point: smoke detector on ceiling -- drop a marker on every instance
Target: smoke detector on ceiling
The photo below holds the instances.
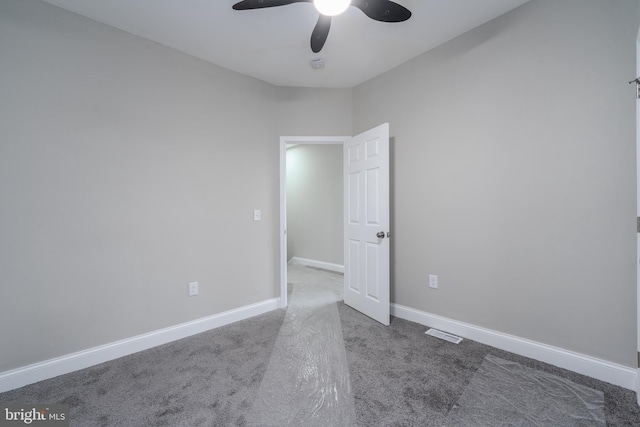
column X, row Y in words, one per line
column 317, row 64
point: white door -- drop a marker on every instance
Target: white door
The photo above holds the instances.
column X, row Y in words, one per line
column 366, row 223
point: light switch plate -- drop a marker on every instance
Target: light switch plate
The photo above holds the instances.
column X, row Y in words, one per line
column 257, row 215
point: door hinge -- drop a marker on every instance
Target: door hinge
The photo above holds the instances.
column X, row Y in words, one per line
column 638, row 224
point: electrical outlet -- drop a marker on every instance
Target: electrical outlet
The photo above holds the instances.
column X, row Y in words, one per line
column 193, row 289
column 433, row 281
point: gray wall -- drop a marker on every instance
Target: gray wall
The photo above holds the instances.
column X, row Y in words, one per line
column 315, row 203
column 514, row 175
column 127, row 170
column 315, row 112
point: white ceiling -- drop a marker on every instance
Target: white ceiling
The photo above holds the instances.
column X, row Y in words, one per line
column 273, row 44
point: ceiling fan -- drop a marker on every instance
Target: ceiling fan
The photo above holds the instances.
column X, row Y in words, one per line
column 380, row 10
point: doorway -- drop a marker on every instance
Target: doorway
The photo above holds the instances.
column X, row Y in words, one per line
column 366, row 219
column 285, row 142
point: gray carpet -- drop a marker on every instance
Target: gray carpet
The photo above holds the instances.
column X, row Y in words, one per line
column 398, row 376
column 520, row 396
column 210, row 379
column 402, row 377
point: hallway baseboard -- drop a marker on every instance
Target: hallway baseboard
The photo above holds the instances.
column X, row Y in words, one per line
column 30, row 374
column 602, row 370
column 317, row 264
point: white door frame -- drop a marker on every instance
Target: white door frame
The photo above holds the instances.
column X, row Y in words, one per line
column 284, row 140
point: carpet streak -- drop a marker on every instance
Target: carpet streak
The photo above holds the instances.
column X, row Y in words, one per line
column 307, row 380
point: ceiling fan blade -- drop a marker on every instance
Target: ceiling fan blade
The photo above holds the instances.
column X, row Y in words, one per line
column 320, row 33
column 259, row 4
column 383, row 10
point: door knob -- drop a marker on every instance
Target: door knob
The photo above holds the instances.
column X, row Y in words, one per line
column 380, row 235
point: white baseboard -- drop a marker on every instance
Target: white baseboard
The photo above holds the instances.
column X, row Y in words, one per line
column 318, row 264
column 586, row 365
column 19, row 377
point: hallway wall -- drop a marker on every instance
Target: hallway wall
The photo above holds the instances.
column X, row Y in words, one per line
column 315, row 203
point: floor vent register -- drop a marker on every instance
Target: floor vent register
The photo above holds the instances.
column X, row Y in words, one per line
column 444, row 336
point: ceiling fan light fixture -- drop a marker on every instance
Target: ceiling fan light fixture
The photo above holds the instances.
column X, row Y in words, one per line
column 331, row 7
